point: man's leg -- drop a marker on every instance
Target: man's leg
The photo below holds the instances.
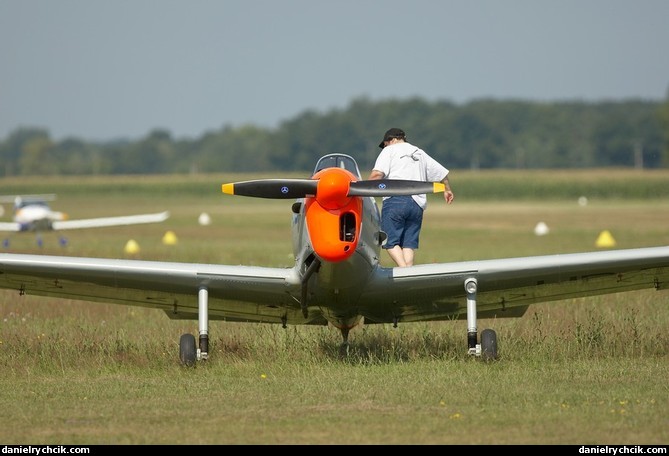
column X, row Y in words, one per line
column 397, row 254
column 412, row 226
column 407, row 255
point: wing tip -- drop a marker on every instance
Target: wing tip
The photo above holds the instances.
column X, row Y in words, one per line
column 439, row 187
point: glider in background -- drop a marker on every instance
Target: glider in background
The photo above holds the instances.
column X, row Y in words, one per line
column 32, row 213
column 337, row 278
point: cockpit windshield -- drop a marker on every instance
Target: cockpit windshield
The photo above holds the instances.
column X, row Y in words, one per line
column 338, row 161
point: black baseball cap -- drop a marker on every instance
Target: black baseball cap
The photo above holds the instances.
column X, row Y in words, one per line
column 392, row 133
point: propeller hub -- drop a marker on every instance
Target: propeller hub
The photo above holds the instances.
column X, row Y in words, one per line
column 333, row 185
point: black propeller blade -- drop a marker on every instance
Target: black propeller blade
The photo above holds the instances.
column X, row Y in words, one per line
column 273, row 188
column 393, row 187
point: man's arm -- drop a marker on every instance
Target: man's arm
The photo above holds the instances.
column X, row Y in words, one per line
column 448, row 193
column 376, row 174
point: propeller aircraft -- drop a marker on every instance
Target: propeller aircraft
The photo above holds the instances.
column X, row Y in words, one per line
column 33, row 214
column 337, row 278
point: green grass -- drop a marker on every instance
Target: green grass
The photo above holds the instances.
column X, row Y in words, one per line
column 581, row 371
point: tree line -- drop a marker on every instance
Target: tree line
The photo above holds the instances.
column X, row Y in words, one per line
column 482, row 134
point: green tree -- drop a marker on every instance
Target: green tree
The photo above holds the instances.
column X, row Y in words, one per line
column 663, row 120
column 37, row 158
column 11, row 149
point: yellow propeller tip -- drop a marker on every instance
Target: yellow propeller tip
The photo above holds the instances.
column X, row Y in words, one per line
column 228, row 189
column 439, row 187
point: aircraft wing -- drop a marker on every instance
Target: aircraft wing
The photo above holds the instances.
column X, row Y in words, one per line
column 507, row 286
column 261, row 294
column 10, row 226
column 28, row 198
column 110, row 221
column 235, row 293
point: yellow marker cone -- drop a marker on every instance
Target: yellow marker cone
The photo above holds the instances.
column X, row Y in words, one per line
column 170, row 238
column 131, row 247
column 605, row 239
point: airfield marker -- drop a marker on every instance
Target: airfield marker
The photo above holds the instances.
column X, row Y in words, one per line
column 605, row 239
column 541, row 229
column 204, row 219
column 131, row 247
column 170, row 238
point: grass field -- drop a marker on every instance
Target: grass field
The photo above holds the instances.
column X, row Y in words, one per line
column 581, row 371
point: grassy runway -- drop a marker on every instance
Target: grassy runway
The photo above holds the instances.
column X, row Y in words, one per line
column 580, row 371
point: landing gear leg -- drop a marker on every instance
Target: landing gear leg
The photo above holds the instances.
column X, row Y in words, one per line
column 203, row 323
column 188, row 354
column 344, row 347
column 487, row 349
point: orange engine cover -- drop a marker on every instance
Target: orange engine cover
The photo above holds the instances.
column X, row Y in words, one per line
column 333, row 218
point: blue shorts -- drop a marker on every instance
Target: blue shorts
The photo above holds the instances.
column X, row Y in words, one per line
column 401, row 219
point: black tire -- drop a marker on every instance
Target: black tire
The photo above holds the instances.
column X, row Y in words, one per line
column 187, row 351
column 488, row 345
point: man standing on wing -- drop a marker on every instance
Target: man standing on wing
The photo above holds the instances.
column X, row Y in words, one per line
column 402, row 216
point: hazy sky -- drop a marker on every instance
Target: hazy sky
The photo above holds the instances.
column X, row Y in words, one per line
column 100, row 70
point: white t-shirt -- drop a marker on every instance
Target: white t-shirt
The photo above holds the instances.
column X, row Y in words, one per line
column 405, row 161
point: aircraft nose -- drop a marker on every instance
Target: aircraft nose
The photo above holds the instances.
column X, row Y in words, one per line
column 333, row 189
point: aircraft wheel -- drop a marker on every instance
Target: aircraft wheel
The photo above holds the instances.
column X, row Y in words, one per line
column 488, row 344
column 187, row 352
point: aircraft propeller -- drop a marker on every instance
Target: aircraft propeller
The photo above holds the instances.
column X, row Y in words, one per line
column 301, row 188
